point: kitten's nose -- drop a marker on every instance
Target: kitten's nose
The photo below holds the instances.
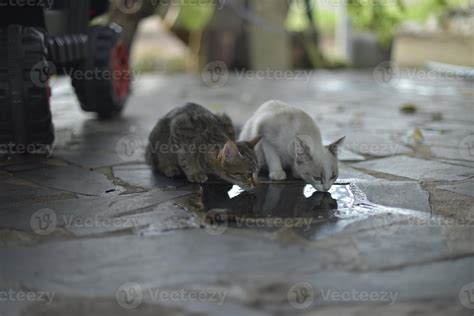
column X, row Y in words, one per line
column 248, row 188
column 318, row 187
column 326, row 187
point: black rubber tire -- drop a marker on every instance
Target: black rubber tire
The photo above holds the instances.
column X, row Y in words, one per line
column 25, row 114
column 97, row 94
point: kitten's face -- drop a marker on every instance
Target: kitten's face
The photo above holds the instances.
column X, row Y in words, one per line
column 321, row 173
column 237, row 163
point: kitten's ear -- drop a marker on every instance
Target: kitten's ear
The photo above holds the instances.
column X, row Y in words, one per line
column 230, row 151
column 254, row 141
column 225, row 118
column 334, row 146
column 302, row 151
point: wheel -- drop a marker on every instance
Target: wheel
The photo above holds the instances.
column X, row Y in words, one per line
column 102, row 83
column 25, row 116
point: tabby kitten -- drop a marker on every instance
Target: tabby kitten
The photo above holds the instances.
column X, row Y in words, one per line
column 194, row 141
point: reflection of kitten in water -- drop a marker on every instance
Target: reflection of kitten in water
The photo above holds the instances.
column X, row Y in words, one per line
column 275, row 200
column 288, row 201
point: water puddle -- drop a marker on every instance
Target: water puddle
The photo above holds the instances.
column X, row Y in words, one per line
column 272, row 206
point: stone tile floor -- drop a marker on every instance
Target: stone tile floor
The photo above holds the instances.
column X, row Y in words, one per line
column 91, row 231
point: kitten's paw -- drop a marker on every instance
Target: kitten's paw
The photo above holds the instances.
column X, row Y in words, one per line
column 171, row 172
column 197, row 178
column 278, row 175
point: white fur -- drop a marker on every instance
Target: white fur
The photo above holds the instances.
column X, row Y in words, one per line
column 282, row 126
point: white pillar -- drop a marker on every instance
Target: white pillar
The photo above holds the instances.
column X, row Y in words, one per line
column 343, row 32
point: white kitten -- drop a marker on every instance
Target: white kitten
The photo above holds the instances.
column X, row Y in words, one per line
column 291, row 139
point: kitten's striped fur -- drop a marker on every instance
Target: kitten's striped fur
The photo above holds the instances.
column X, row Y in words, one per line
column 201, row 143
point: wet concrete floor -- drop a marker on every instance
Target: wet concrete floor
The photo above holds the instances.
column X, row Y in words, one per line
column 91, row 230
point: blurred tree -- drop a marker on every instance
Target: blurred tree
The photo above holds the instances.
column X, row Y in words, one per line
column 382, row 17
column 376, row 16
column 241, row 33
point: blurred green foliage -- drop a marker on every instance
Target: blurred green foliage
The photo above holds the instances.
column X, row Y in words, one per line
column 379, row 16
column 382, row 16
column 164, row 63
column 196, row 14
column 297, row 20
